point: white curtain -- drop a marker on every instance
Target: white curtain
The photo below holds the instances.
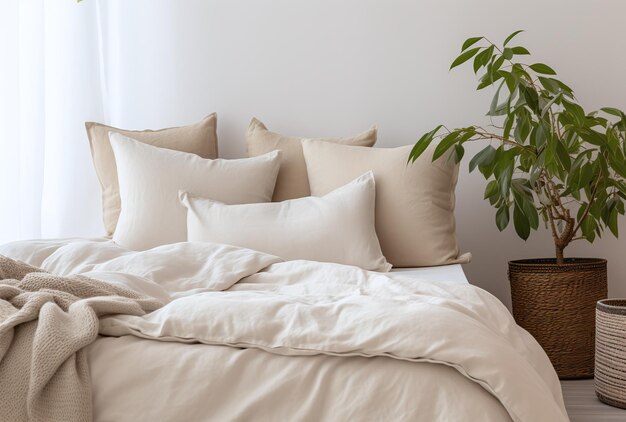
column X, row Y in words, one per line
column 51, row 82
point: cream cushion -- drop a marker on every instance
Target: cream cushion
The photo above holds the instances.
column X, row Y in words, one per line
column 292, row 179
column 199, row 138
column 150, row 178
column 338, row 227
column 414, row 202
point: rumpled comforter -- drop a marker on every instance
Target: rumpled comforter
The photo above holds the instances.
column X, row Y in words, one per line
column 250, row 312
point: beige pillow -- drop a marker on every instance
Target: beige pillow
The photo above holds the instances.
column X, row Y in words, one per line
column 414, row 203
column 338, row 227
column 199, row 138
column 150, row 178
column 292, row 179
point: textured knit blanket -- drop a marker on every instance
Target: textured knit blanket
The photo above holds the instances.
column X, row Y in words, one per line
column 45, row 322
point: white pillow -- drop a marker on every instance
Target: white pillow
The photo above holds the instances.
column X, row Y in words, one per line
column 338, row 227
column 150, row 178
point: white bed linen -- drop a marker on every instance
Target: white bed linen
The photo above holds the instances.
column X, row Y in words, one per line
column 143, row 380
column 452, row 273
column 139, row 379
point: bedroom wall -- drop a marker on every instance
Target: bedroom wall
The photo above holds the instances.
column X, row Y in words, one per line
column 326, row 67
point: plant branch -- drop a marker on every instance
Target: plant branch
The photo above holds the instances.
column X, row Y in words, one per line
column 488, row 135
column 587, row 208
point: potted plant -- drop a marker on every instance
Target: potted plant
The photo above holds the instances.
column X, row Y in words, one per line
column 546, row 160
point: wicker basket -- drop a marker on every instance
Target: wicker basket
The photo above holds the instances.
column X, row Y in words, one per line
column 556, row 304
column 610, row 371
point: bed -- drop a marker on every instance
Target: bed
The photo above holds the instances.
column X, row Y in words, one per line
column 339, row 343
column 259, row 289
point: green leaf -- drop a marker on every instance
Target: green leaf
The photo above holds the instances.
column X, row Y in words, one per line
column 507, row 53
column 478, row 61
column 491, row 189
column 520, row 51
column 550, row 84
column 495, row 75
column 423, row 143
column 522, row 227
column 588, row 227
column 502, row 217
column 602, row 167
column 508, row 124
column 489, row 54
column 526, row 161
column 547, row 107
column 533, row 135
column 504, row 173
column 563, row 155
column 465, row 56
column 470, row 42
column 613, row 226
column 487, row 170
column 586, row 175
column 581, row 211
column 510, row 37
column 593, row 137
column 543, row 69
column 459, row 152
column 549, row 154
column 511, row 81
column 576, row 111
column 580, row 158
column 501, row 109
column 531, row 213
column 523, row 126
column 484, row 82
column 555, row 86
column 522, row 188
column 494, row 101
column 519, row 72
column 531, row 97
column 445, row 144
column 618, row 164
column 613, row 111
column 469, row 133
column 482, row 58
column 484, row 158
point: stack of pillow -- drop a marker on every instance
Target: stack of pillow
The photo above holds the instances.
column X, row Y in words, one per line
column 327, row 199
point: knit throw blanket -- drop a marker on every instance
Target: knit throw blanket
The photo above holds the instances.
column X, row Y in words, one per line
column 45, row 322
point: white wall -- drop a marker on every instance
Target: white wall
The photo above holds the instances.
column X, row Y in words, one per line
column 329, row 67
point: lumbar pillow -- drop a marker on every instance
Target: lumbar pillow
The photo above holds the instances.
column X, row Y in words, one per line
column 414, row 203
column 292, row 179
column 150, row 178
column 199, row 138
column 338, row 227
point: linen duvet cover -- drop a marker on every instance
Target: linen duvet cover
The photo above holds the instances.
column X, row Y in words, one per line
column 246, row 336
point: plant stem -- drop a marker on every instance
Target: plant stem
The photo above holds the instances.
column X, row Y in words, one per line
column 559, row 255
column 591, row 200
column 557, row 211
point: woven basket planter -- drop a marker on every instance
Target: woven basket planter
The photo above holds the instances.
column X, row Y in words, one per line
column 556, row 304
column 610, row 373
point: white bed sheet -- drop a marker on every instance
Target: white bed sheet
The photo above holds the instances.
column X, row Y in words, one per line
column 451, row 273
